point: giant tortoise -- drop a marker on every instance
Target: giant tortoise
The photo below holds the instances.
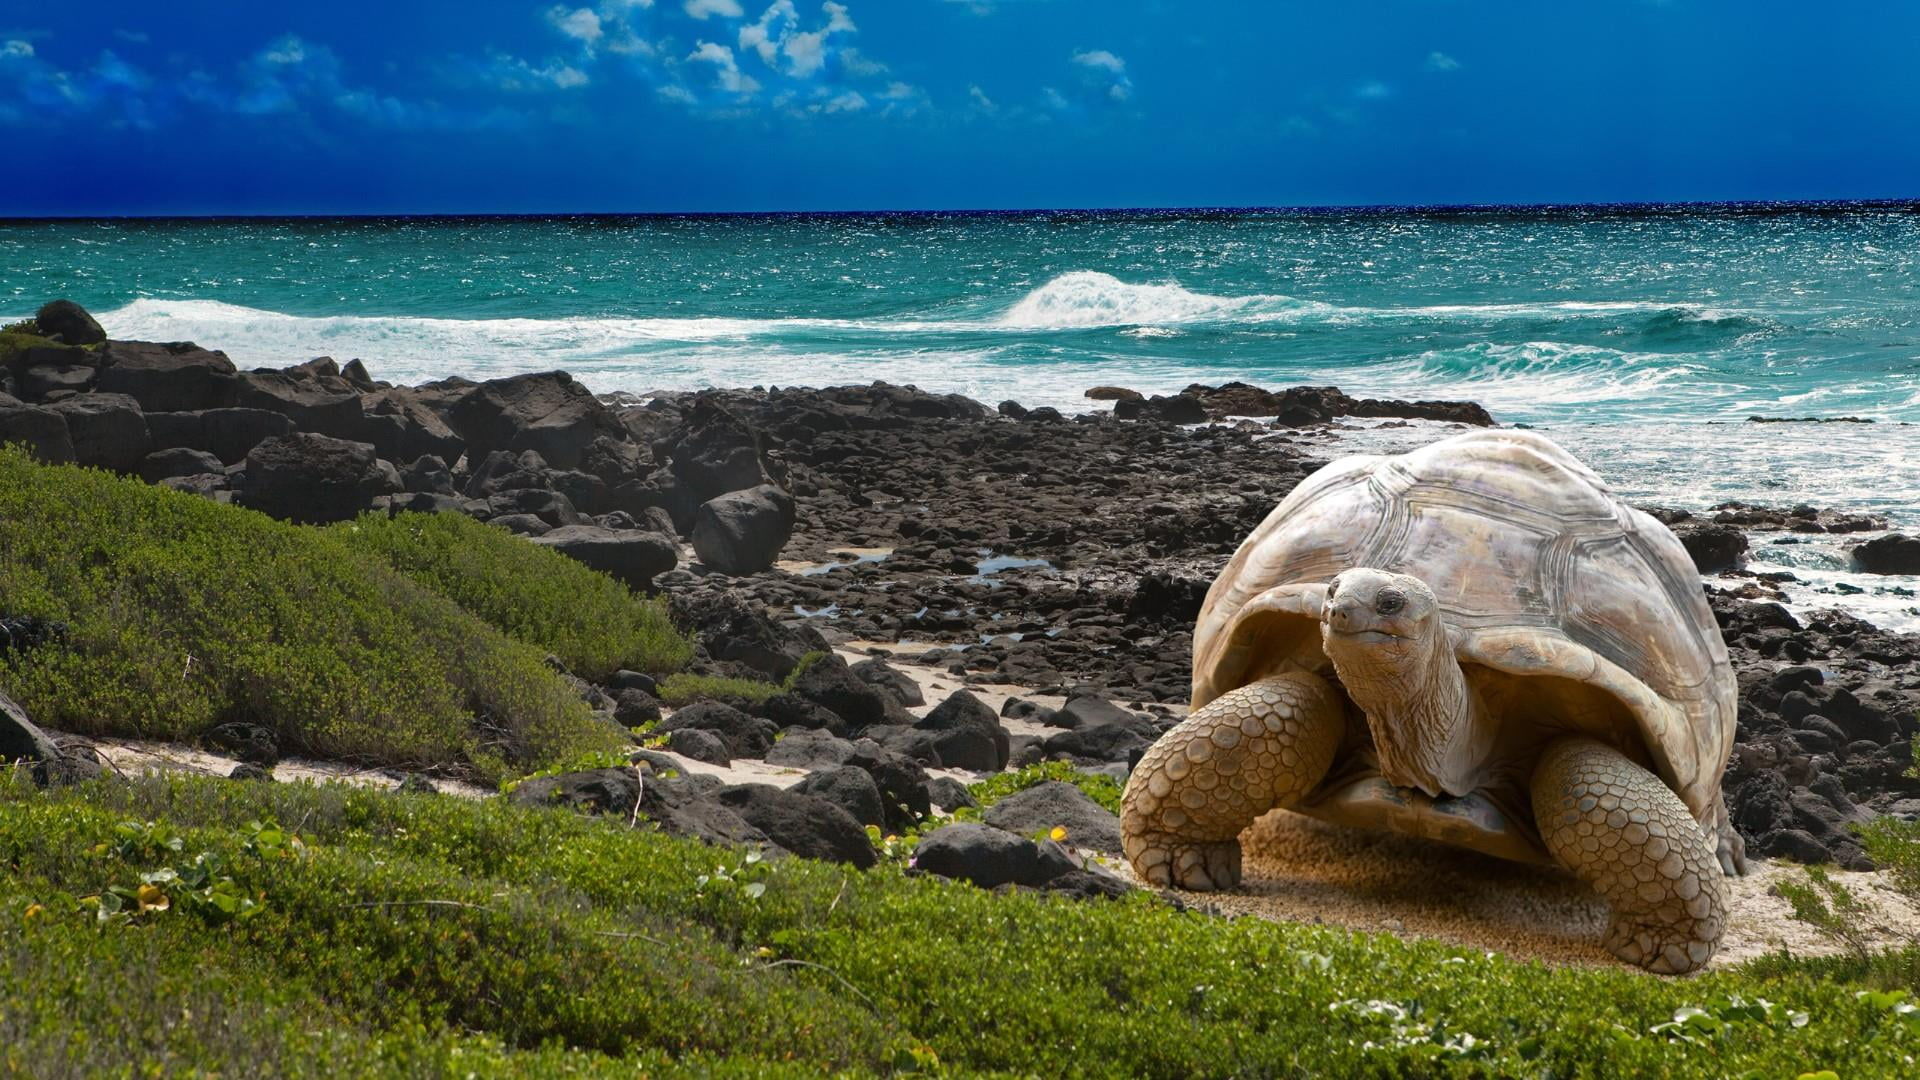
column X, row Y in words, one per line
column 1474, row 642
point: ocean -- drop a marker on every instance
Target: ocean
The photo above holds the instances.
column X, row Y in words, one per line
column 1642, row 337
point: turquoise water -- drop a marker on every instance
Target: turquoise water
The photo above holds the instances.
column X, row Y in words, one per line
column 1643, row 338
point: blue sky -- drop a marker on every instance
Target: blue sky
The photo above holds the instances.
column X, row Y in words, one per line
column 191, row 106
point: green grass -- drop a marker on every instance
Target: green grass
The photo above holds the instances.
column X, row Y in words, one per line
column 1102, row 789
column 183, row 614
column 411, row 934
column 685, row 688
column 593, row 623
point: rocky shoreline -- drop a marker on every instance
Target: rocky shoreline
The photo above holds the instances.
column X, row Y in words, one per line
column 1003, row 546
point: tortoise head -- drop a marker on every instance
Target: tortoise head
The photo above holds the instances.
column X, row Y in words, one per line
column 1393, row 613
column 1389, row 645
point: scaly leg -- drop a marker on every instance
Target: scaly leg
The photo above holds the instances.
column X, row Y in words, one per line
column 1261, row 746
column 1623, row 831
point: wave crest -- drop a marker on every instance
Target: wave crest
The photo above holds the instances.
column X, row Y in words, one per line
column 1089, row 298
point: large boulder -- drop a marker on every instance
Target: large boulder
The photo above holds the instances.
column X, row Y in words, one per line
column 851, row 789
column 633, row 556
column 179, row 461
column 672, row 806
column 714, row 451
column 967, row 734
column 176, row 377
column 1894, row 553
column 902, row 783
column 1179, row 409
column 69, row 322
column 313, row 478
column 41, row 381
column 742, row 532
column 1056, row 803
column 548, row 412
column 228, row 434
column 745, row 736
column 108, row 430
column 830, row 683
column 989, row 857
column 21, row 740
column 43, row 430
column 402, row 426
column 329, row 406
column 810, row 827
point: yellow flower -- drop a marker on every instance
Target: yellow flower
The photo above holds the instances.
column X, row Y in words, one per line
column 1058, row 834
column 151, row 898
column 32, row 910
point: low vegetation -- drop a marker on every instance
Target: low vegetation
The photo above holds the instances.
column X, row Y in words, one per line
column 687, row 687
column 410, row 934
column 590, row 621
column 176, row 614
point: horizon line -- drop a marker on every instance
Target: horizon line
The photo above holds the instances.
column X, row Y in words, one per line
column 1910, row 202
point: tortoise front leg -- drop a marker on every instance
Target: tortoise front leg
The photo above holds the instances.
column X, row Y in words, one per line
column 1623, row 831
column 1248, row 751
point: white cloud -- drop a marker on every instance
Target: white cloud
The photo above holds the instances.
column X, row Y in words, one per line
column 1374, row 91
column 1054, row 99
column 850, row 101
column 16, row 49
column 518, row 76
column 1439, row 61
column 980, row 99
column 761, row 36
column 856, row 63
column 679, row 95
column 727, row 73
column 581, row 24
column 700, row 9
column 1100, row 58
column 287, row 51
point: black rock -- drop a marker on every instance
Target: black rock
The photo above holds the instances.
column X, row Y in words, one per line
column 830, row 683
column 251, row 743
column 547, row 412
column 672, row 806
column 69, row 322
column 43, row 430
column 630, row 556
column 418, row 784
column 625, row 679
column 1714, row 547
column 108, row 430
column 22, row 740
column 902, row 783
column 178, row 377
column 851, row 789
column 714, row 452
column 989, row 857
column 521, row 524
column 949, row 794
column 1053, row 803
column 878, row 673
column 1098, row 742
column 635, row 708
column 178, row 461
column 246, row 771
column 1012, row 409
column 1894, row 553
column 700, row 745
column 745, row 736
column 742, row 532
column 808, row 826
column 805, row 749
column 313, row 479
column 967, row 734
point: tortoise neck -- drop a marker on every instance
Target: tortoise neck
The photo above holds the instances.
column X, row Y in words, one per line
column 1429, row 727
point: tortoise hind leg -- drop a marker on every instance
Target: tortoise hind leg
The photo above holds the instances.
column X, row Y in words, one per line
column 1623, row 831
column 1263, row 745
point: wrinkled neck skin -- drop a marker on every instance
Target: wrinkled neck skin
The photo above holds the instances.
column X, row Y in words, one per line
column 1429, row 727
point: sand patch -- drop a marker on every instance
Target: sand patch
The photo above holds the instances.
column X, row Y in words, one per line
column 1300, row 870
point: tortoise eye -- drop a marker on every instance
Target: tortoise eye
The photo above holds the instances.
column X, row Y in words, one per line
column 1389, row 602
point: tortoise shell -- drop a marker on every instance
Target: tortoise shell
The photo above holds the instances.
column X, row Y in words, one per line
column 1540, row 571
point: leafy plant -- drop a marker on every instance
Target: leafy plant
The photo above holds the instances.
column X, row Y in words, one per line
column 1102, row 789
column 593, row 623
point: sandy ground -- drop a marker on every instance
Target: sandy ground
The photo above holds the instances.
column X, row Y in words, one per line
column 1295, row 869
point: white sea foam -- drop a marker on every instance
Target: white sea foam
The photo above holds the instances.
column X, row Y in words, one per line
column 1084, row 298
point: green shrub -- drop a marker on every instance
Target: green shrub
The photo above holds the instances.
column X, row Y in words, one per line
column 414, row 934
column 593, row 623
column 1104, row 790
column 686, row 687
column 182, row 614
